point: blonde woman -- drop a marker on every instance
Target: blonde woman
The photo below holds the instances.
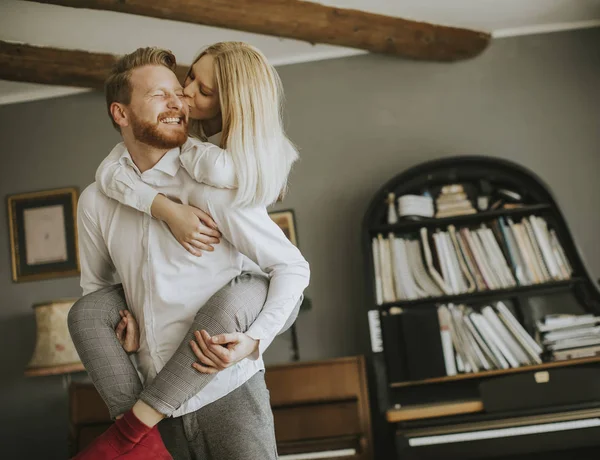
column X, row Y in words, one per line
column 217, row 306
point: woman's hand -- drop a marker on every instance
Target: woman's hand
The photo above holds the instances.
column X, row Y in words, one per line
column 195, row 230
column 128, row 332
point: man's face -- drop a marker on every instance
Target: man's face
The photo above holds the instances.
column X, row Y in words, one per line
column 157, row 114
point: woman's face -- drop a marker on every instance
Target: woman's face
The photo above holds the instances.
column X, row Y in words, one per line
column 201, row 90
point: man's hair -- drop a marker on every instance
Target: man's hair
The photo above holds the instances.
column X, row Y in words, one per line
column 117, row 87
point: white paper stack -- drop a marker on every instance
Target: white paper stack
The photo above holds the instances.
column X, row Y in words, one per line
column 415, row 205
column 571, row 336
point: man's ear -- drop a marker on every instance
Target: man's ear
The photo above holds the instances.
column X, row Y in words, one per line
column 119, row 114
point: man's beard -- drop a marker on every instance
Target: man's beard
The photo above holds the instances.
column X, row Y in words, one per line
column 151, row 134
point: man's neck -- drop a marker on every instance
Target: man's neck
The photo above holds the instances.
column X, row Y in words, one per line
column 144, row 156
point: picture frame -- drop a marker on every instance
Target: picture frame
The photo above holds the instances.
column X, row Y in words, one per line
column 286, row 220
column 43, row 234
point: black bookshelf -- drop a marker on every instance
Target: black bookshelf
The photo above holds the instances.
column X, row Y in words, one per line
column 390, row 396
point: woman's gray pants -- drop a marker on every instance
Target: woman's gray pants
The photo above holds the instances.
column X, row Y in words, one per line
column 92, row 322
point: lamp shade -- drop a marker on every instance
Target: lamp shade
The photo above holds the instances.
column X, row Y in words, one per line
column 54, row 350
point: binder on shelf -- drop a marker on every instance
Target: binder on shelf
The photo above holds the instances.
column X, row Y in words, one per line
column 393, row 347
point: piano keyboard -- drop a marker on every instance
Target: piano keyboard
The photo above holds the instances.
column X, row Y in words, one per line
column 375, row 331
column 503, row 432
column 319, row 455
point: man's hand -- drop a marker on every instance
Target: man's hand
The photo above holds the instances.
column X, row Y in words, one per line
column 221, row 351
column 128, row 332
column 194, row 229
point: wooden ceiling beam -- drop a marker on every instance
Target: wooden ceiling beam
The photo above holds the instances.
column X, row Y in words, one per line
column 310, row 22
column 53, row 66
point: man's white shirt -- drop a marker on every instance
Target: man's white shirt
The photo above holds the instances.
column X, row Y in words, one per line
column 165, row 285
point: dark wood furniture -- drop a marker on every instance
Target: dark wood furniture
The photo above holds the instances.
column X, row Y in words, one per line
column 319, row 406
column 446, row 417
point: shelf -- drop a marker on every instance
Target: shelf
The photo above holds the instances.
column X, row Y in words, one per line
column 543, row 288
column 443, row 409
column 412, row 225
column 482, row 375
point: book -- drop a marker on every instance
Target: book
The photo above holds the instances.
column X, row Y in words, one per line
column 446, row 337
column 507, row 339
column 521, row 336
column 377, row 269
column 503, row 309
column 435, row 275
column 539, row 228
column 485, row 333
column 422, row 279
column 471, row 263
column 464, row 266
column 389, row 292
column 515, row 256
column 495, row 363
column 536, row 250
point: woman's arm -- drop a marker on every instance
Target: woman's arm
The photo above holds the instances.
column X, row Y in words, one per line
column 195, row 230
column 117, row 180
column 208, row 164
column 252, row 232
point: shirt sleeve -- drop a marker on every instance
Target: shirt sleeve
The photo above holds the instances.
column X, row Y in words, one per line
column 208, row 164
column 252, row 232
column 97, row 268
column 120, row 182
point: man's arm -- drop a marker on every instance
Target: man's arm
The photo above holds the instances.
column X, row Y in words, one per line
column 252, row 232
column 97, row 269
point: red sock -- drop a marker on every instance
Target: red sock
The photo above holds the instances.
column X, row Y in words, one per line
column 119, row 439
column 151, row 446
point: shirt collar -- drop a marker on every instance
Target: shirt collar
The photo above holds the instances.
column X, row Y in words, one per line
column 169, row 163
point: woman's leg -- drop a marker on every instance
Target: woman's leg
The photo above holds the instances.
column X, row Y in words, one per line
column 92, row 321
column 232, row 309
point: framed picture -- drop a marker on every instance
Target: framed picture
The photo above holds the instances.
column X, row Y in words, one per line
column 43, row 234
column 287, row 222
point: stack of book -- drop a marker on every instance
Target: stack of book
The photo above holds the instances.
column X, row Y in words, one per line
column 570, row 336
column 501, row 255
column 453, row 201
column 480, row 341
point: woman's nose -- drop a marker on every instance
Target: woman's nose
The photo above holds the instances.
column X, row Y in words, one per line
column 188, row 91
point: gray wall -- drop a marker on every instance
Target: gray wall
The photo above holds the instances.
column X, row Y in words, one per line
column 358, row 122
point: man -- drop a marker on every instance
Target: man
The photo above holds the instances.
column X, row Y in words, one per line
column 165, row 285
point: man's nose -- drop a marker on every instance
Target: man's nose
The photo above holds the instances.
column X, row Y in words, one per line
column 175, row 102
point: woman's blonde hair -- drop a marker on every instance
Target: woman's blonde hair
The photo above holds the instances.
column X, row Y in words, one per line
column 251, row 96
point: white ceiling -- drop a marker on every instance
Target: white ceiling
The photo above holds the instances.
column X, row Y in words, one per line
column 117, row 33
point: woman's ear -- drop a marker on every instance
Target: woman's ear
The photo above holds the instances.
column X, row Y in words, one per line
column 119, row 114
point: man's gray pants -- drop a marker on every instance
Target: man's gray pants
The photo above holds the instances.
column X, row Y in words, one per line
column 92, row 322
column 236, row 427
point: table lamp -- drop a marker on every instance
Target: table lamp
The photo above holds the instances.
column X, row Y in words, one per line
column 54, row 352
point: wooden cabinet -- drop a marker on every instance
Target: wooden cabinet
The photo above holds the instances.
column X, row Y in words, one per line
column 319, row 406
